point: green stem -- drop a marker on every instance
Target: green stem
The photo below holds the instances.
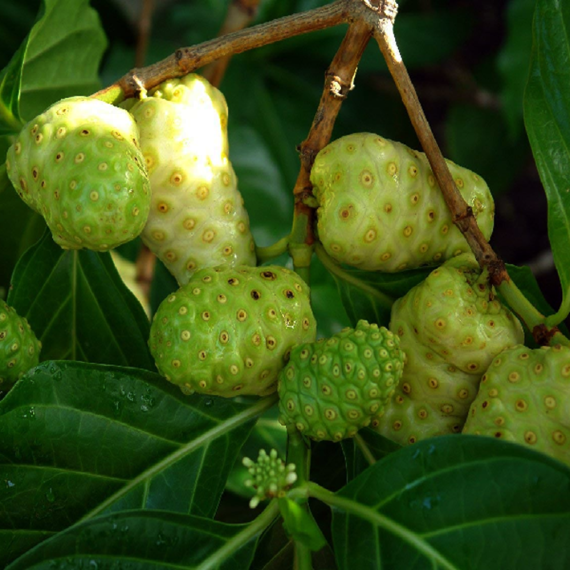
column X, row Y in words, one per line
column 299, row 453
column 112, row 95
column 337, row 270
column 272, row 251
column 376, row 519
column 303, row 559
column 364, row 449
column 527, row 311
column 203, row 440
column 560, row 315
column 257, row 526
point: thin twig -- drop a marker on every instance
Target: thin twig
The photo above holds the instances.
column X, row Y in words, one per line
column 240, row 14
column 186, row 60
column 338, row 82
column 461, row 212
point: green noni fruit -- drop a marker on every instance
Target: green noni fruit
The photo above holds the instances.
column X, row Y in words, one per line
column 332, row 388
column 19, row 347
column 380, row 207
column 524, row 397
column 451, row 326
column 79, row 165
column 228, row 331
column 197, row 218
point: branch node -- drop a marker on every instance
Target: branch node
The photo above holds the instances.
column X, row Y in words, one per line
column 337, row 86
column 542, row 334
column 385, row 9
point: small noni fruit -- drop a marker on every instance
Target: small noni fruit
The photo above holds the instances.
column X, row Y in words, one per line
column 79, row 165
column 524, row 397
column 332, row 388
column 19, row 347
column 197, row 217
column 380, row 207
column 228, row 331
column 451, row 327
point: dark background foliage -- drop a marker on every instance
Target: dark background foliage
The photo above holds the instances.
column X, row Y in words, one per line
column 468, row 60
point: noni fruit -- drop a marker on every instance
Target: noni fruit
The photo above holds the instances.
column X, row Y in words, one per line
column 332, row 388
column 79, row 165
column 380, row 207
column 197, row 217
column 451, row 327
column 228, row 331
column 19, row 347
column 524, row 397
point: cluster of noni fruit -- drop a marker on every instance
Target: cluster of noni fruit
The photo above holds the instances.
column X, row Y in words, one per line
column 159, row 167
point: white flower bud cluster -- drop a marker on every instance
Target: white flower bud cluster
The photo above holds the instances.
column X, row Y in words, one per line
column 270, row 477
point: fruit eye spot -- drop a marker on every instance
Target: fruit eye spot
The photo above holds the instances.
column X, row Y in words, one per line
column 103, row 166
column 224, row 337
column 85, row 133
column 422, row 414
column 185, row 335
column 222, row 298
column 255, row 295
column 80, row 157
column 269, row 275
column 208, row 235
column 163, row 208
column 406, row 388
column 271, row 342
column 206, row 315
column 530, row 437
column 202, row 355
column 289, row 294
column 330, row 414
column 202, row 192
column 241, row 315
column 306, row 323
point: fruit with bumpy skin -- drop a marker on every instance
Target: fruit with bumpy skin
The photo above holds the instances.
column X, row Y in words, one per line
column 197, row 217
column 380, row 207
column 334, row 387
column 451, row 327
column 19, row 347
column 228, row 331
column 524, row 397
column 78, row 164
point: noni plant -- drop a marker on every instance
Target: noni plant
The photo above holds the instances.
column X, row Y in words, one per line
column 249, row 320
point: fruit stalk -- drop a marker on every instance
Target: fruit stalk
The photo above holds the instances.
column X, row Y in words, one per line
column 462, row 214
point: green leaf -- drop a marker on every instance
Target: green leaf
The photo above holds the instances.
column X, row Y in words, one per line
column 141, row 539
column 300, row 525
column 60, row 57
column 547, row 120
column 81, row 440
column 79, row 307
column 455, row 502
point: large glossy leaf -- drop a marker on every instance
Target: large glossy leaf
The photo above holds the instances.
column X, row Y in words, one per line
column 79, row 307
column 60, row 57
column 80, row 440
column 456, row 502
column 142, row 539
column 547, row 120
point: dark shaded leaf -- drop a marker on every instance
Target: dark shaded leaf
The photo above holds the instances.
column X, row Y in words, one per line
column 81, row 440
column 78, row 306
column 547, row 121
column 142, row 539
column 456, row 502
